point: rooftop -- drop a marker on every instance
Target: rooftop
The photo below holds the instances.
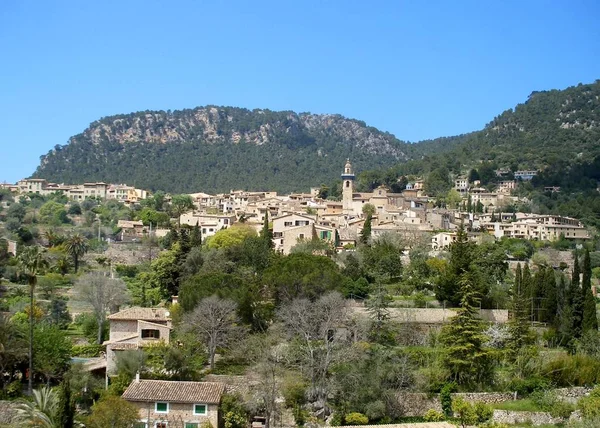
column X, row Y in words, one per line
column 146, row 314
column 174, row 391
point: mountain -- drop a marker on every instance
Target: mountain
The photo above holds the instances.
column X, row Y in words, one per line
column 549, row 127
column 215, row 149
column 221, row 148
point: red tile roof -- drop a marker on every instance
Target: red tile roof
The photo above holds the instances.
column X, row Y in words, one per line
column 174, row 391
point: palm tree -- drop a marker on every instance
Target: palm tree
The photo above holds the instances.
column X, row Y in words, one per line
column 41, row 412
column 76, row 247
column 31, row 262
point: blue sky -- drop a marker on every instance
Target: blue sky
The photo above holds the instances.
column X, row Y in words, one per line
column 418, row 69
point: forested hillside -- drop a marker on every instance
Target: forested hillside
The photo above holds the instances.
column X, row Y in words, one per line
column 220, row 148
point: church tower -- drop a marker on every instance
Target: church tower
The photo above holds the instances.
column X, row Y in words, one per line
column 347, row 188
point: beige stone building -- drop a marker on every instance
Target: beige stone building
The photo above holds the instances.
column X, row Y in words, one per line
column 134, row 328
column 172, row 404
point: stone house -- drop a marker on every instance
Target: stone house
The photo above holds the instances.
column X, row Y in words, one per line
column 164, row 403
column 133, row 328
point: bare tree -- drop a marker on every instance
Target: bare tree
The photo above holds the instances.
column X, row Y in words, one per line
column 215, row 322
column 320, row 332
column 103, row 293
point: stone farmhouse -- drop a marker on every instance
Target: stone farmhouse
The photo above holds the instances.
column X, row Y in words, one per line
column 133, row 328
column 175, row 403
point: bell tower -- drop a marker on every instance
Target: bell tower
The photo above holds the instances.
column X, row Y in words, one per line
column 347, row 188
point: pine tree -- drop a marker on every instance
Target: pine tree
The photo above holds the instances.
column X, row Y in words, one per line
column 520, row 334
column 468, row 361
column 461, row 257
column 589, row 318
column 576, row 299
column 365, row 234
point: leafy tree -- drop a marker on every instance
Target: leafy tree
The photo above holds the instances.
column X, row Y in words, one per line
column 302, row 275
column 51, row 351
column 53, row 213
column 214, row 321
column 180, row 204
column 113, row 412
column 31, row 262
column 233, row 236
column 369, row 210
column 76, row 246
column 103, row 294
column 13, row 348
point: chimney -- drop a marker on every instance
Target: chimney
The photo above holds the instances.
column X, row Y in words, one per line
column 137, row 376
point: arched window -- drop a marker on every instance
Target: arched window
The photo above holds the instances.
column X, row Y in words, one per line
column 347, row 184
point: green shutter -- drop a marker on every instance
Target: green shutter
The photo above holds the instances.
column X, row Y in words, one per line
column 191, row 425
column 200, row 409
column 162, row 407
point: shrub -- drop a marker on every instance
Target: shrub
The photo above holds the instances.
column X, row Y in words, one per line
column 446, row 398
column 87, row 351
column 464, row 412
column 375, row 410
column 483, row 411
column 590, row 405
column 336, row 420
column 573, row 370
column 524, row 387
column 433, row 415
column 356, row 418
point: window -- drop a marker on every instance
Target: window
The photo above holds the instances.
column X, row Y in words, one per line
column 160, row 407
column 191, row 425
column 161, row 425
column 150, row 334
column 301, row 236
column 199, row 409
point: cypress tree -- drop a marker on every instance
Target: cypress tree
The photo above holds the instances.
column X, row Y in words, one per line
column 576, row 298
column 196, row 236
column 365, row 233
column 564, row 317
column 589, row 318
column 527, row 289
column 549, row 296
column 537, row 290
column 266, row 233
column 65, row 412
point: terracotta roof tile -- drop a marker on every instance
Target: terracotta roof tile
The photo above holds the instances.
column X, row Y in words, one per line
column 146, row 314
column 174, row 391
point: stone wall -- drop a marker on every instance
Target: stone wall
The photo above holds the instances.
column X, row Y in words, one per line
column 433, row 315
column 416, row 403
column 536, row 418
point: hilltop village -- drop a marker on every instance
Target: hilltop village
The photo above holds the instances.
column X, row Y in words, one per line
column 251, row 308
column 410, row 214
